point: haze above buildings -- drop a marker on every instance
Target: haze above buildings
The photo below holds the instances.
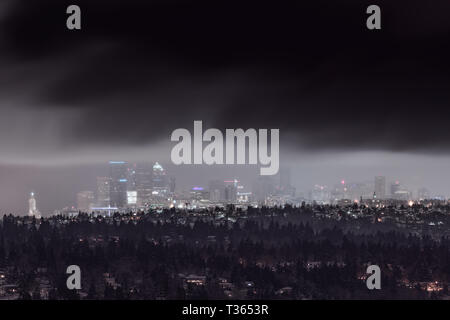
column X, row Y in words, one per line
column 142, row 186
column 56, row 186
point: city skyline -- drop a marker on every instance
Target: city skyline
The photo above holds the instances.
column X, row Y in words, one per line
column 71, row 101
column 141, row 183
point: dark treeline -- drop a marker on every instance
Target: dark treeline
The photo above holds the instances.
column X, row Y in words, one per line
column 263, row 256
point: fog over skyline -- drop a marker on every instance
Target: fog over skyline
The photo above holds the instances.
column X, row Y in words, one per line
column 349, row 103
column 56, row 186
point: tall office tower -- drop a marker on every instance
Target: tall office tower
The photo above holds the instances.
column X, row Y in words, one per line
column 85, row 201
column 118, row 186
column 285, row 182
column 131, row 178
column 32, row 210
column 231, row 188
column 380, row 187
column 160, row 180
column 395, row 187
column 320, row 194
column 216, row 190
column 103, row 186
column 230, row 193
column 262, row 188
column 131, row 186
column 144, row 183
column 172, row 185
column 199, row 194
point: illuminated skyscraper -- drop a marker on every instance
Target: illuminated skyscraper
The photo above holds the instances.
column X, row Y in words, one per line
column 160, row 180
column 118, row 186
column 395, row 187
column 144, row 183
column 400, row 192
column 32, row 210
column 285, row 187
column 85, row 201
column 131, row 178
column 172, row 184
column 320, row 194
column 199, row 194
column 131, row 186
column 262, row 188
column 103, row 186
column 380, row 187
column 216, row 190
column 231, row 193
column 231, row 190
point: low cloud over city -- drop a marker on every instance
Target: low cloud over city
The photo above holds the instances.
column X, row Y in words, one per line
column 118, row 88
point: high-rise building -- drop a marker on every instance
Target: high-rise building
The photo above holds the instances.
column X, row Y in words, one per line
column 131, row 178
column 320, row 194
column 231, row 189
column 172, row 185
column 132, row 185
column 230, row 193
column 32, row 210
column 380, row 187
column 160, row 181
column 395, row 187
column 144, row 183
column 118, row 186
column 131, row 198
column 216, row 190
column 262, row 188
column 285, row 187
column 85, row 201
column 199, row 194
column 400, row 192
column 103, row 186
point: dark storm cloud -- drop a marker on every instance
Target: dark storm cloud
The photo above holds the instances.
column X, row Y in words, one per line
column 139, row 69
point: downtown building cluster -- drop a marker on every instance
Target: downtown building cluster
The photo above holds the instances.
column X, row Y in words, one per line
column 143, row 186
column 376, row 191
column 128, row 187
column 134, row 187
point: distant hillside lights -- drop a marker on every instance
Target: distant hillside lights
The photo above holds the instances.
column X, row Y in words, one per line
column 213, row 153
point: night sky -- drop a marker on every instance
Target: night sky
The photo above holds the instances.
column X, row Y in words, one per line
column 349, row 102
